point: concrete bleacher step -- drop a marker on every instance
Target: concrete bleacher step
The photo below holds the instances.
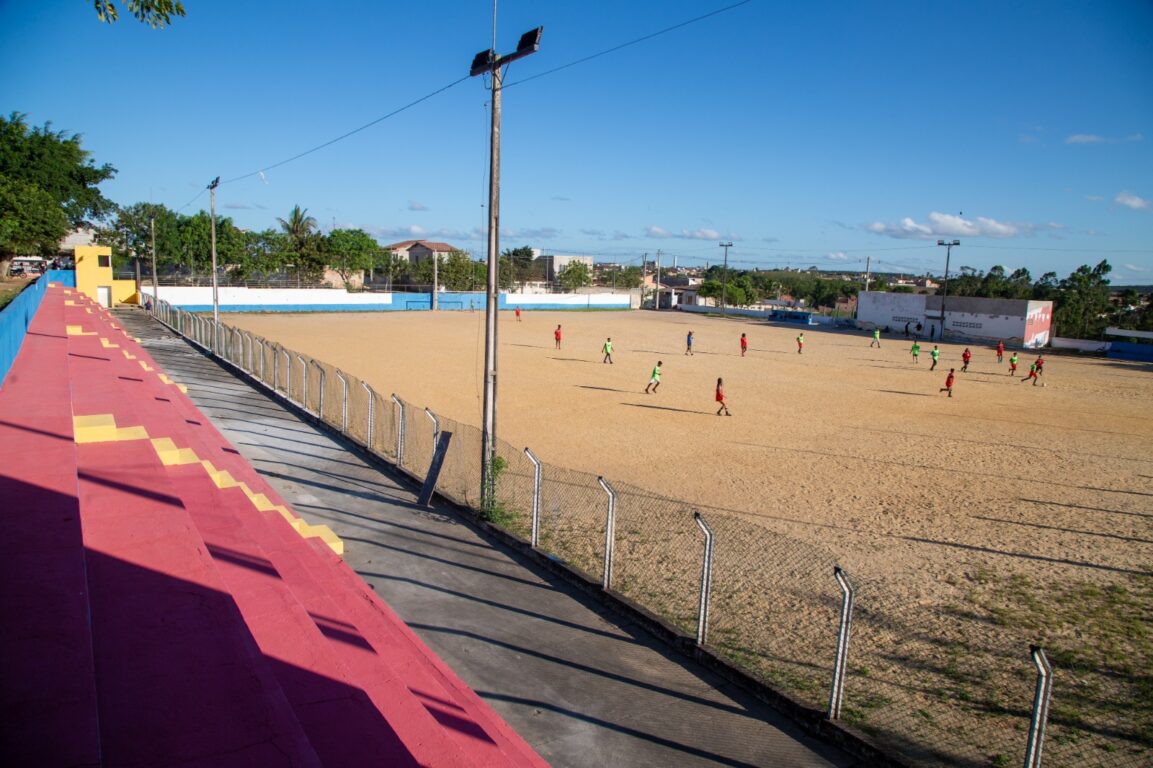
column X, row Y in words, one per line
column 356, row 680
column 259, row 559
column 180, row 678
column 48, row 689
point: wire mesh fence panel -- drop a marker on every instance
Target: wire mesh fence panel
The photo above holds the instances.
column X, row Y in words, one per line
column 330, row 401
column 513, row 491
column 1099, row 716
column 572, row 518
column 358, row 400
column 309, row 395
column 386, row 427
column 775, row 606
column 940, row 685
column 418, row 440
column 658, row 555
column 460, row 473
column 265, row 354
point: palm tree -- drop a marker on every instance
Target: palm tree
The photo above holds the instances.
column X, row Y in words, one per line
column 299, row 226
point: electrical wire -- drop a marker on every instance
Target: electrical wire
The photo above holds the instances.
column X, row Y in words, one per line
column 629, row 43
column 342, row 137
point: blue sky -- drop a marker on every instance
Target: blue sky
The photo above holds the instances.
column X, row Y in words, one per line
column 817, row 133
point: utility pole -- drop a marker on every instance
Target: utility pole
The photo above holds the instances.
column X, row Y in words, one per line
column 215, row 295
column 490, row 62
column 435, row 280
column 657, row 301
column 725, row 276
column 945, row 294
column 155, row 284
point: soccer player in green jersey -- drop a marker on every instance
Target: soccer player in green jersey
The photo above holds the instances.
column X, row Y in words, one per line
column 916, row 350
column 654, row 378
column 608, row 350
column 936, row 355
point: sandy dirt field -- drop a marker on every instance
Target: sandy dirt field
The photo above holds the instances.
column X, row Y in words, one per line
column 848, row 446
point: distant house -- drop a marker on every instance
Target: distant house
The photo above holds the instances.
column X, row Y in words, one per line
column 416, row 251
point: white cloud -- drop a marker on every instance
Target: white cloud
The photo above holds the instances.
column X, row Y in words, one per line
column 661, row 233
column 1092, row 138
column 954, row 225
column 1130, row 200
column 537, row 233
column 1094, row 198
column 1135, row 268
column 413, row 205
column 837, row 256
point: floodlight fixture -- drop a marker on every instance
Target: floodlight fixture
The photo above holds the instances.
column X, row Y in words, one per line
column 482, row 62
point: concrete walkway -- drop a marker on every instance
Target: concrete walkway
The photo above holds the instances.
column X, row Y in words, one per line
column 581, row 686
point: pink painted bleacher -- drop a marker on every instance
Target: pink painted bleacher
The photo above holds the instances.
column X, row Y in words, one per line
column 48, row 687
column 218, row 630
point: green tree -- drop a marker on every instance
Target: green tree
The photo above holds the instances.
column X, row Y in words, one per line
column 195, row 237
column 576, row 274
column 265, row 253
column 307, row 246
column 154, row 13
column 458, row 272
column 31, row 221
column 521, row 262
column 130, row 234
column 349, row 251
column 1082, row 309
column 42, row 169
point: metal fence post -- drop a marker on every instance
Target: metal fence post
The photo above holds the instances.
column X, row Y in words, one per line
column 399, row 432
column 610, row 525
column 343, row 402
column 261, row 345
column 320, row 400
column 304, row 382
column 837, row 691
column 371, row 412
column 275, row 369
column 706, row 581
column 287, row 373
column 435, row 426
column 536, row 477
column 1040, row 707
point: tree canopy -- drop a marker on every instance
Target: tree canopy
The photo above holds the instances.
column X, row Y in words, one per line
column 48, row 185
column 154, row 13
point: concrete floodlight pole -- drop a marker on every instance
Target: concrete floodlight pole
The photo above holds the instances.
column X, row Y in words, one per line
column 945, row 293
column 215, row 295
column 725, row 276
column 489, row 62
column 155, row 283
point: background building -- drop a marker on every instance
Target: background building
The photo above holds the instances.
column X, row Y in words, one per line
column 1025, row 322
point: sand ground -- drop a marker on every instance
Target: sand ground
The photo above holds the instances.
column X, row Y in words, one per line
column 848, row 446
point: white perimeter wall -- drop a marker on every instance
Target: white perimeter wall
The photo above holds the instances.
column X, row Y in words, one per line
column 891, row 309
column 195, row 295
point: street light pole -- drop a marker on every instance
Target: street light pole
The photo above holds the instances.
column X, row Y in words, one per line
column 490, row 62
column 215, row 296
column 945, row 293
column 155, row 283
column 725, row 276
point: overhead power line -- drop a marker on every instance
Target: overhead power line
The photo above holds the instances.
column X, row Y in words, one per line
column 344, row 136
column 638, row 40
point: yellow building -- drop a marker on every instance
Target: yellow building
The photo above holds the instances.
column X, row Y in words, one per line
column 94, row 277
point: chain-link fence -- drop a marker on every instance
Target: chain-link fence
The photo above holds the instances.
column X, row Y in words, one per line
column 930, row 682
